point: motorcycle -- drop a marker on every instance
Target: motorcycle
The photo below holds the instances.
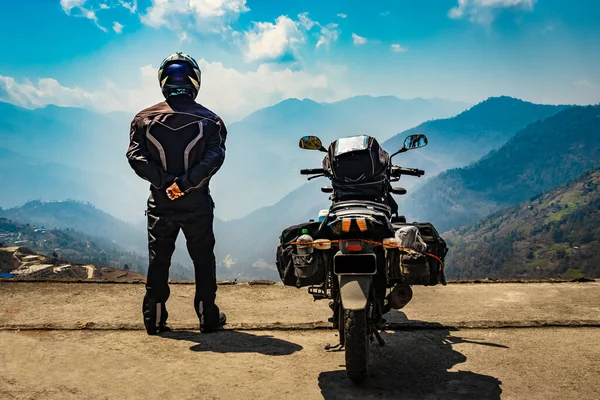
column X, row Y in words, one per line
column 351, row 255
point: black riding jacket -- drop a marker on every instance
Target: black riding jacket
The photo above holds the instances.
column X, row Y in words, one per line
column 180, row 141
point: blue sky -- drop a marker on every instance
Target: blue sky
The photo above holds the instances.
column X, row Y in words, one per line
column 103, row 54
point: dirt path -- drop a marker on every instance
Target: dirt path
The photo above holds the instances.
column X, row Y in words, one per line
column 90, row 271
column 470, row 364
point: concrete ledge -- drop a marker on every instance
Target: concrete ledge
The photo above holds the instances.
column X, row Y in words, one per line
column 310, row 326
column 31, row 305
column 268, row 282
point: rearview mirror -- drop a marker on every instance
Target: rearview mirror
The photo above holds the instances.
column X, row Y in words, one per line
column 415, row 141
column 311, row 143
column 412, row 142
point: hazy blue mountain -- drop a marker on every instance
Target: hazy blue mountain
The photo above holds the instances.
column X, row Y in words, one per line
column 81, row 216
column 55, row 153
column 246, row 247
column 70, row 152
column 465, row 138
column 26, row 178
column 81, row 221
column 71, row 136
column 556, row 234
column 545, row 154
column 263, row 158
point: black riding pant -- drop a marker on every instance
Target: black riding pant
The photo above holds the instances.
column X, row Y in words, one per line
column 162, row 234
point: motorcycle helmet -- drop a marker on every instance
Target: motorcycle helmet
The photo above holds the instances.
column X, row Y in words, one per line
column 179, row 74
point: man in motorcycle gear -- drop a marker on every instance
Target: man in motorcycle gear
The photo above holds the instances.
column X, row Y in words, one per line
column 178, row 145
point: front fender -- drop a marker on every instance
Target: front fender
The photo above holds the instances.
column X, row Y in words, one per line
column 355, row 291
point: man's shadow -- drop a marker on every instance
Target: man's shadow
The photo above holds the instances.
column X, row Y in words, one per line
column 227, row 341
column 414, row 364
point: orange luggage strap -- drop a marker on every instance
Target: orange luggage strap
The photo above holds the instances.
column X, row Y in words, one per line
column 405, row 249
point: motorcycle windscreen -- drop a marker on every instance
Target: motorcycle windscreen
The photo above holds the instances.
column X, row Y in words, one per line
column 350, row 144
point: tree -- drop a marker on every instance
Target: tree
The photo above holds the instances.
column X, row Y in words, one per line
column 126, row 267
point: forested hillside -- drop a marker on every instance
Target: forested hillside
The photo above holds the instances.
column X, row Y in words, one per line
column 556, row 234
column 546, row 154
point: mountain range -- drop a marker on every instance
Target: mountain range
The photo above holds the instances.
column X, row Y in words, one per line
column 66, row 153
column 556, row 234
column 465, row 138
column 83, row 217
column 59, row 153
column 547, row 153
column 496, row 154
column 503, row 114
column 263, row 159
column 84, row 234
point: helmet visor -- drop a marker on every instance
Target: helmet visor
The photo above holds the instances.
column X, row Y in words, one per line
column 178, row 73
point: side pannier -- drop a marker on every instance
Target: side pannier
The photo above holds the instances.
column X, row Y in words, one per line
column 416, row 268
column 306, row 269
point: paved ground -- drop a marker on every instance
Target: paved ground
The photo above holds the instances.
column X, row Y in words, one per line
column 557, row 357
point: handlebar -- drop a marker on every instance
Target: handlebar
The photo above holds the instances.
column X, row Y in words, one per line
column 312, row 171
column 397, row 171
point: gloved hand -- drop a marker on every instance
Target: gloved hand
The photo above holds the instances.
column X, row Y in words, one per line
column 173, row 191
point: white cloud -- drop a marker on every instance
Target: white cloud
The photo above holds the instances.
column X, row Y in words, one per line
column 548, row 28
column 130, row 5
column 397, row 48
column 230, row 92
column 268, row 41
column 385, row 13
column 342, row 15
column 117, row 27
column 104, row 6
column 358, row 40
column 485, row 11
column 69, row 6
column 46, row 91
column 167, row 12
column 329, row 34
column 306, row 22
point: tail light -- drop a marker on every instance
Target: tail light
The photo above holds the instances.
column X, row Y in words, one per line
column 362, row 224
column 354, row 246
column 346, row 224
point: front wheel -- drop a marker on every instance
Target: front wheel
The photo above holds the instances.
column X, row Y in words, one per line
column 357, row 345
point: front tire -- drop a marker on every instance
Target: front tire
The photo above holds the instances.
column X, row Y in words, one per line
column 357, row 345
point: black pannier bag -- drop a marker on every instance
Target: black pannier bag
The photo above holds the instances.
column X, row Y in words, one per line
column 400, row 265
column 301, row 270
column 357, row 167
